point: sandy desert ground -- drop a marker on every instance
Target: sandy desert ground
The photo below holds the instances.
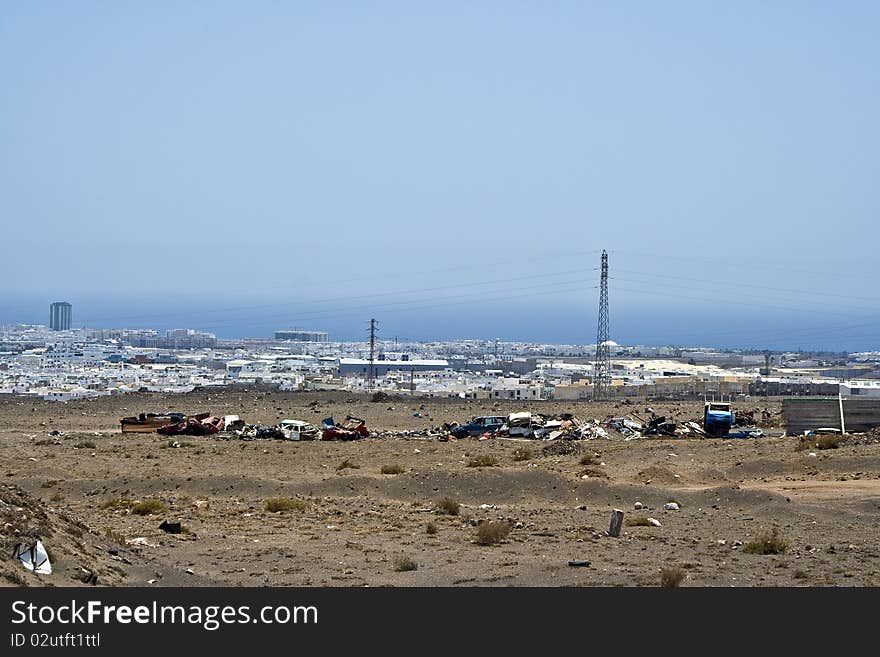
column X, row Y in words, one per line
column 354, row 526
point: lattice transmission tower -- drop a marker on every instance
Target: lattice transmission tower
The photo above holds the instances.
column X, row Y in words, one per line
column 602, row 367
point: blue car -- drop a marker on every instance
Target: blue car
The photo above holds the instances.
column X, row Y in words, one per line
column 479, row 425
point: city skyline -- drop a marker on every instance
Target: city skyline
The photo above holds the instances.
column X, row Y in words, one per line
column 809, row 341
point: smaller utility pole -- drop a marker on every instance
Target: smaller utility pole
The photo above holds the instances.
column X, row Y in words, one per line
column 371, row 376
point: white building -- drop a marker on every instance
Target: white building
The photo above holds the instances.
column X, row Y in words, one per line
column 860, row 389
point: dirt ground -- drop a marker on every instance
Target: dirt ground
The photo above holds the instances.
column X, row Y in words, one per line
column 357, row 526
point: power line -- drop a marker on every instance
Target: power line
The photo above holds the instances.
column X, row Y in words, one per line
column 715, row 262
column 362, row 297
column 787, row 292
column 728, row 301
column 408, row 306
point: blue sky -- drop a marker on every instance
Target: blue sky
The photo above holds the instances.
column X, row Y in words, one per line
column 450, row 168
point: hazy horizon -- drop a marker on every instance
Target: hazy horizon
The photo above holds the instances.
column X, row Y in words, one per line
column 453, row 170
column 535, row 321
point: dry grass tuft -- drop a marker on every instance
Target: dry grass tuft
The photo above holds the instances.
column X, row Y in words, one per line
column 672, row 576
column 830, row 441
column 280, row 504
column 448, row 506
column 769, row 542
column 404, row 564
column 148, row 507
column 392, row 469
column 347, row 463
column 637, row 522
column 431, row 528
column 492, row 532
column 523, row 454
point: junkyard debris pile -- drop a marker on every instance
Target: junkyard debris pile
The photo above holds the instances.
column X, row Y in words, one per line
column 524, row 424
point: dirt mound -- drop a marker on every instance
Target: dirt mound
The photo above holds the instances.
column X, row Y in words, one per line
column 70, row 547
column 658, row 474
column 710, row 475
column 563, row 448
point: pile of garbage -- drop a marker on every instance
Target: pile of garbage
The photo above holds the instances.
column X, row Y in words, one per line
column 564, row 426
column 634, row 427
column 284, row 430
column 757, row 418
column 693, row 427
column 232, row 426
column 435, row 433
column 538, row 426
column 744, row 418
column 659, row 426
column 624, row 426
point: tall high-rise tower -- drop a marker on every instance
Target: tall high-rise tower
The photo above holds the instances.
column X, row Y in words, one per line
column 602, row 367
column 60, row 314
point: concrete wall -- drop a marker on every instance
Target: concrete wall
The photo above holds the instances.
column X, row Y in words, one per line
column 802, row 414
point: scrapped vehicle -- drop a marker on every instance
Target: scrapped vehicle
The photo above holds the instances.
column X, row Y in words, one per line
column 149, row 422
column 232, row 423
column 353, row 429
column 200, row 425
column 298, row 430
column 478, row 426
column 522, row 424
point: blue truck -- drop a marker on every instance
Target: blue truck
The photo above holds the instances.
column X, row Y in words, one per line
column 717, row 419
